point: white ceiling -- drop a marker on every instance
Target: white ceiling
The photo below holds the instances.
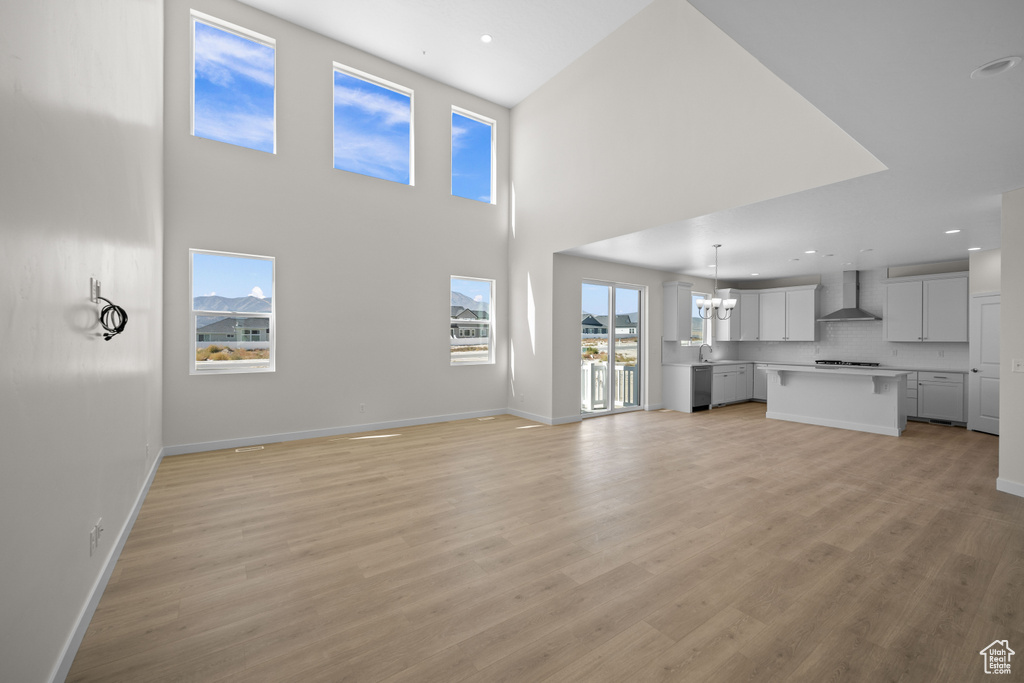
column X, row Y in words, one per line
column 894, row 75
column 533, row 39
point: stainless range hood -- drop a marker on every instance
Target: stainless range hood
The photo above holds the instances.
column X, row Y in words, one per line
column 850, row 311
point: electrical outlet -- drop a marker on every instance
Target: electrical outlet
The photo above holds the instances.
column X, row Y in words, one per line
column 362, row 407
column 942, row 353
column 894, row 353
column 94, row 290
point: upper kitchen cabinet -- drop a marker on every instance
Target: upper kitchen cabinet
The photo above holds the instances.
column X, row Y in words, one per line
column 743, row 324
column 788, row 314
column 677, row 311
column 926, row 308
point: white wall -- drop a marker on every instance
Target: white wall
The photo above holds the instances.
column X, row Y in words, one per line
column 363, row 264
column 80, row 196
column 664, row 120
column 858, row 341
column 986, row 271
column 1011, row 346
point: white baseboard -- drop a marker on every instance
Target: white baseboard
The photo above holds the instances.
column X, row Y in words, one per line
column 330, row 431
column 67, row 656
column 1010, row 486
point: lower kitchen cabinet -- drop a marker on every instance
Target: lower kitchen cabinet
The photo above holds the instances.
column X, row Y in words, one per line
column 940, row 396
column 732, row 383
column 760, row 383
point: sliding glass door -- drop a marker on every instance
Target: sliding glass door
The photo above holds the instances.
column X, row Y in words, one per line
column 610, row 348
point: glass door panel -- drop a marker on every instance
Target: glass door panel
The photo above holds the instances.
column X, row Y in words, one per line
column 610, row 344
column 594, row 347
column 626, row 361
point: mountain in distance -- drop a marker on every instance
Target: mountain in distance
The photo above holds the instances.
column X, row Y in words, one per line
column 460, row 299
column 241, row 304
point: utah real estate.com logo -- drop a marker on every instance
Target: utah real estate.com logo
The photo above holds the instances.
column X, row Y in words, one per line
column 997, row 657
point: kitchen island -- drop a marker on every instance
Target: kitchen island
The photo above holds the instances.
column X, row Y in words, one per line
column 867, row 400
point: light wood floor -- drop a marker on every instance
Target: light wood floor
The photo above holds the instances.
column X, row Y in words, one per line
column 654, row 546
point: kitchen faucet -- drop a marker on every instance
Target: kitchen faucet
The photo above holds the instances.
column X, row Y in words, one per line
column 700, row 352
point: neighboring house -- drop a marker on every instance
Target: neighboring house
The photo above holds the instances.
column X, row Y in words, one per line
column 624, row 324
column 467, row 323
column 235, row 330
column 592, row 325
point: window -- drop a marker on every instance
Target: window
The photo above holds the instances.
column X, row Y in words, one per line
column 700, row 329
column 233, row 71
column 472, row 156
column 372, row 126
column 232, row 312
column 471, row 315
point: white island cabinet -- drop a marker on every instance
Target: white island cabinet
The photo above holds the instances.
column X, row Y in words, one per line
column 866, row 400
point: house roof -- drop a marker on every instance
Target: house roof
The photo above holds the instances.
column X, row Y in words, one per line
column 227, row 325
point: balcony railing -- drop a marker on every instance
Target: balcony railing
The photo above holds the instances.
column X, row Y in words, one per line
column 594, row 386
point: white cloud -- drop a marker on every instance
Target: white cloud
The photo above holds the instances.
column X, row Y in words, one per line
column 212, row 294
column 257, row 292
column 393, row 111
column 236, row 127
column 221, row 57
column 371, row 154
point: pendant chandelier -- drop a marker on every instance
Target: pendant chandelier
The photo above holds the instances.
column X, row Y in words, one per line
column 715, row 307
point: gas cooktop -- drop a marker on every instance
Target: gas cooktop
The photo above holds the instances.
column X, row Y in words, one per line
column 858, row 363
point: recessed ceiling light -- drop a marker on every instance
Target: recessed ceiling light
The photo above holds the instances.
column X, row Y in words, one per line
column 848, row 263
column 811, row 251
column 486, row 38
column 754, row 274
column 995, row 67
column 826, row 255
column 973, row 248
column 952, row 232
column 864, row 251
column 794, row 259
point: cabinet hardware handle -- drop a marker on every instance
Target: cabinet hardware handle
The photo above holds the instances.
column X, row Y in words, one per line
column 974, row 369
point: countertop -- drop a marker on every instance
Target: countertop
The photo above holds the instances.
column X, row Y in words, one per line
column 896, row 368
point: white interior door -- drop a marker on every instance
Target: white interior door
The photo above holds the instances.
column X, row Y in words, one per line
column 983, row 380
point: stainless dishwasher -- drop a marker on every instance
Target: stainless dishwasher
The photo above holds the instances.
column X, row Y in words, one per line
column 701, row 394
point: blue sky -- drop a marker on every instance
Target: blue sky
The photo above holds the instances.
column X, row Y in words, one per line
column 372, row 129
column 234, row 89
column 595, row 300
column 471, row 158
column 478, row 290
column 231, row 276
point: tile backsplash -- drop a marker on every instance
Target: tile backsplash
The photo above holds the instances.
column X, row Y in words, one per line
column 853, row 341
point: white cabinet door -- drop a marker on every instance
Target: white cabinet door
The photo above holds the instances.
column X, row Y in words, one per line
column 772, row 313
column 945, row 310
column 940, row 401
column 904, row 308
column 749, row 305
column 676, row 311
column 745, row 382
column 720, row 388
column 801, row 315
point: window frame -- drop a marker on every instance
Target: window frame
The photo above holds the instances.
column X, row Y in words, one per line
column 490, row 322
column 242, row 32
column 479, row 118
column 389, row 85
column 237, row 367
